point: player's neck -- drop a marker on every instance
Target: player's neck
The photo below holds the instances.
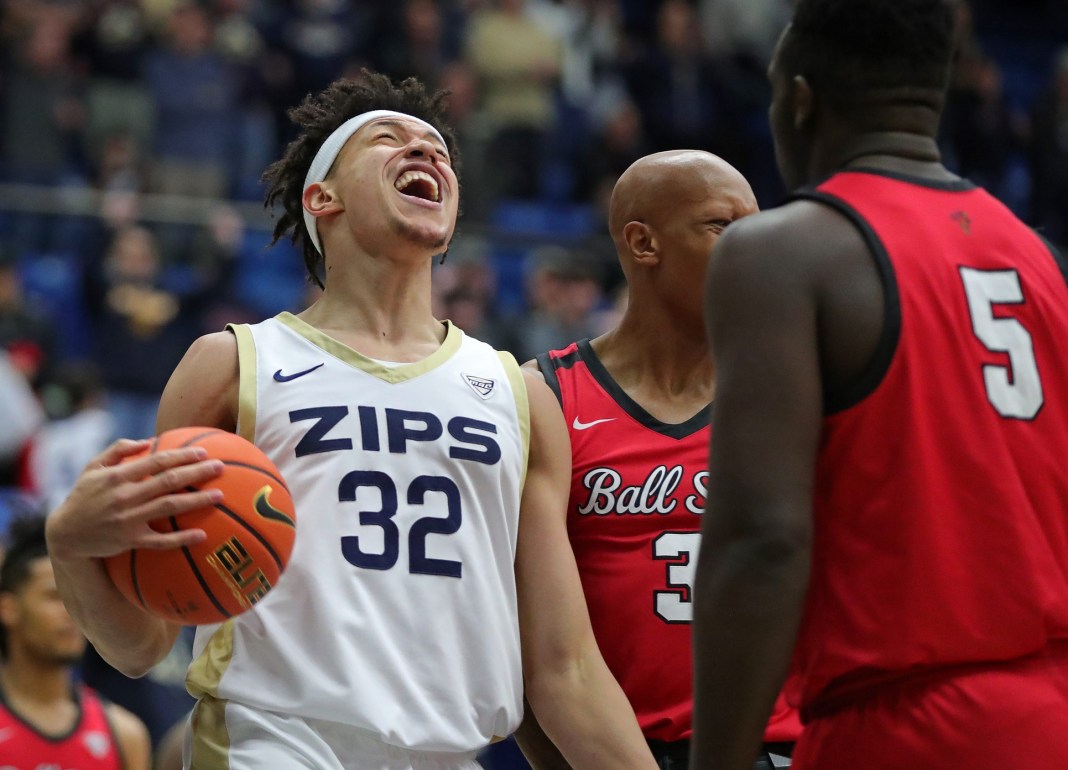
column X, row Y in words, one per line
column 378, row 314
column 28, row 685
column 902, row 152
column 639, row 354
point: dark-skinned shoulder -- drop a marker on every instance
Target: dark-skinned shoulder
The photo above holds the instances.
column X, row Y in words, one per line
column 823, row 258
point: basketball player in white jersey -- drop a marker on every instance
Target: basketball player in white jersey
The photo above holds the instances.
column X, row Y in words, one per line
column 430, row 477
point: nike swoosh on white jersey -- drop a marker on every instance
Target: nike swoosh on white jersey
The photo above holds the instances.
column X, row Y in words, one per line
column 577, row 425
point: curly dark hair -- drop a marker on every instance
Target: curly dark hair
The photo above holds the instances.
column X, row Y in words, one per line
column 846, row 48
column 27, row 544
column 318, row 116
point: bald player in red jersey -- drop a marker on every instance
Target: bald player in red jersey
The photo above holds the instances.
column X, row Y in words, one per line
column 636, row 402
column 888, row 486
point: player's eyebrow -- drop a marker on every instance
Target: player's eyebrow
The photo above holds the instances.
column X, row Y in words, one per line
column 400, row 124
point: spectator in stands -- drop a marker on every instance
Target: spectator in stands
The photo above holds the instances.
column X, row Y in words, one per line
column 21, row 416
column 675, row 84
column 195, row 93
column 80, row 428
column 139, row 330
column 42, row 112
column 1049, row 153
column 978, row 132
column 420, row 38
column 564, row 289
column 517, row 64
column 26, row 334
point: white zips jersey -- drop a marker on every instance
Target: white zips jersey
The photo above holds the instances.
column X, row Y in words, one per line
column 397, row 613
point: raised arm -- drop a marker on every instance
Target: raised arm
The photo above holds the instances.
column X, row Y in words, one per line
column 755, row 550
column 570, row 689
column 111, row 505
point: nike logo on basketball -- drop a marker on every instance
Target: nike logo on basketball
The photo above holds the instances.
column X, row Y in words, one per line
column 577, row 425
column 266, row 510
column 279, row 377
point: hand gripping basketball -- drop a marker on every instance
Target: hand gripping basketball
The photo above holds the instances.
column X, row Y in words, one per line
column 250, row 534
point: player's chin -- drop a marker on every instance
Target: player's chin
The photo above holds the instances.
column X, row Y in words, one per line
column 434, row 236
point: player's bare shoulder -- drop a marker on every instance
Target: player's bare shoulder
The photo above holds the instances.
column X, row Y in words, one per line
column 132, row 736
column 531, row 369
column 204, row 386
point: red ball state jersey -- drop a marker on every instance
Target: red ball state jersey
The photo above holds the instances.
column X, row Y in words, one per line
column 634, row 517
column 941, row 495
column 90, row 745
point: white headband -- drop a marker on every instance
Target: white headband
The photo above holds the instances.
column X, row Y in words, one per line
column 324, row 159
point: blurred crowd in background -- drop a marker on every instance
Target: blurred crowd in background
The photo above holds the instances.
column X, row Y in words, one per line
column 133, row 134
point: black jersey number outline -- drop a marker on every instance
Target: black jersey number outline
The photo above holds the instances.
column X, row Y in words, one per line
column 1015, row 391
column 680, row 550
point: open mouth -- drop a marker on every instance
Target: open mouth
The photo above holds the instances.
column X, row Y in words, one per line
column 419, row 184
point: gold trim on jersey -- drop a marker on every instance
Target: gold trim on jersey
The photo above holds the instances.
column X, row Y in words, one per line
column 522, row 404
column 246, row 388
column 209, row 747
column 205, row 673
column 390, row 374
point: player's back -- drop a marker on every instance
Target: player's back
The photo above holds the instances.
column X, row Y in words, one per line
column 941, row 537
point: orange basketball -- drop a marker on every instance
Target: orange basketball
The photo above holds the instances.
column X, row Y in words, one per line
column 250, row 537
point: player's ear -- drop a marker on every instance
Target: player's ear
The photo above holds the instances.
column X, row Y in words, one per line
column 641, row 242
column 319, row 198
column 802, row 101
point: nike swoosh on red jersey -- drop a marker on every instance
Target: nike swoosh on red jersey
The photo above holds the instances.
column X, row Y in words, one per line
column 579, row 425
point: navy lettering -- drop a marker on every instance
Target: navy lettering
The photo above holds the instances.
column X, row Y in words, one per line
column 400, row 434
column 326, row 417
column 369, row 428
column 460, row 428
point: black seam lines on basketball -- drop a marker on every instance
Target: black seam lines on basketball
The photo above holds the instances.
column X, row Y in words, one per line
column 257, row 468
column 251, row 530
column 196, row 573
column 133, row 577
column 199, row 436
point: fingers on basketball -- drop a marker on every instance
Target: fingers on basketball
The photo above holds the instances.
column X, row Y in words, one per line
column 249, row 537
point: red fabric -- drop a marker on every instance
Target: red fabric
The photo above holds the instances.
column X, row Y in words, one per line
column 944, row 720
column 941, row 533
column 637, row 492
column 89, row 746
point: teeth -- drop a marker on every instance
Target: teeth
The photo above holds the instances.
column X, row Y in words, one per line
column 412, row 176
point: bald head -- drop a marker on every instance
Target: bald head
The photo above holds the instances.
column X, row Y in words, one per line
column 655, row 186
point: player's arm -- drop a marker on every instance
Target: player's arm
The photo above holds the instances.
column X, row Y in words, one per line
column 132, row 737
column 540, row 752
column 109, row 509
column 754, row 561
column 570, row 689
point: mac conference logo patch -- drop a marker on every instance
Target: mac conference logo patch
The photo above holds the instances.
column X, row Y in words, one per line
column 483, row 386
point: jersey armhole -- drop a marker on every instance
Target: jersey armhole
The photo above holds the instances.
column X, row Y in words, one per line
column 124, row 761
column 246, row 388
column 548, row 371
column 522, row 404
column 869, row 378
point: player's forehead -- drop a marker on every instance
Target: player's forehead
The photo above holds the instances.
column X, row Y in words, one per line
column 409, row 127
column 40, row 574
